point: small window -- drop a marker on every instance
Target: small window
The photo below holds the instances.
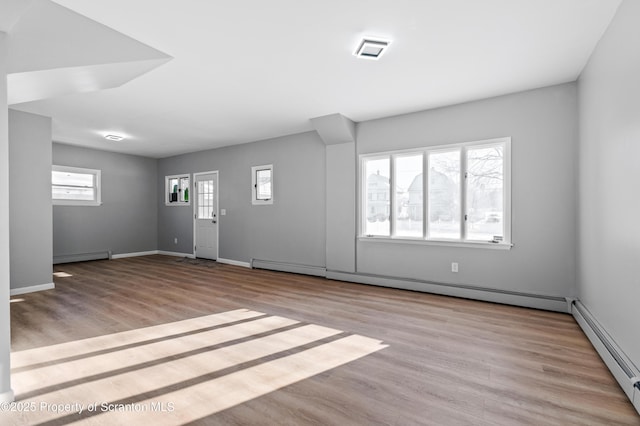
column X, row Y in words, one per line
column 177, row 190
column 262, row 184
column 74, row 186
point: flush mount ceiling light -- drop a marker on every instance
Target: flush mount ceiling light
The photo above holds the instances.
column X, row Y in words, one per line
column 114, row 137
column 371, row 48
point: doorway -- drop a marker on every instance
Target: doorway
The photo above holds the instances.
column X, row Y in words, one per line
column 205, row 227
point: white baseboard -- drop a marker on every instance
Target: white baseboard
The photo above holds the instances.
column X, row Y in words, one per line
column 7, row 396
column 547, row 303
column 622, row 368
column 137, row 254
column 295, row 268
column 176, row 254
column 32, row 289
column 233, row 262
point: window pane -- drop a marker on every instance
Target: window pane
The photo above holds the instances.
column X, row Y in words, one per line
column 71, row 179
column 263, row 182
column 409, row 199
column 205, row 199
column 485, row 190
column 378, row 197
column 184, row 189
column 444, row 194
column 72, row 193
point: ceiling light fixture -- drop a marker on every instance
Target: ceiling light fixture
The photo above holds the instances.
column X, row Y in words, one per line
column 371, row 48
column 114, row 137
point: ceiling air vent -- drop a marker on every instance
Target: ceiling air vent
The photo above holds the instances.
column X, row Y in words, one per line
column 371, row 48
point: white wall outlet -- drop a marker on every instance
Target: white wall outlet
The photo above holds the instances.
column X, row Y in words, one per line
column 223, row 212
column 175, row 240
column 454, row 266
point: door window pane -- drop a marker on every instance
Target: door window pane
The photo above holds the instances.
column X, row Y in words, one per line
column 409, row 196
column 378, row 196
column 444, row 194
column 485, row 191
column 206, row 196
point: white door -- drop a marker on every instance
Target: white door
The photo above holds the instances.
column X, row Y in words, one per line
column 206, row 216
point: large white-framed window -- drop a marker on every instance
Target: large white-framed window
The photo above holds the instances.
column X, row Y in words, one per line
column 176, row 190
column 463, row 198
column 75, row 186
column 262, row 184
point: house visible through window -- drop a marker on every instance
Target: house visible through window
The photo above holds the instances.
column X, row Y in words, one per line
column 464, row 195
column 262, row 184
column 74, row 186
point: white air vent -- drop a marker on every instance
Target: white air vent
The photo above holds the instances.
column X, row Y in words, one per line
column 371, row 48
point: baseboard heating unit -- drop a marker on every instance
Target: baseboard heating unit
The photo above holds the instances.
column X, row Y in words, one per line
column 81, row 257
column 623, row 369
column 295, row 268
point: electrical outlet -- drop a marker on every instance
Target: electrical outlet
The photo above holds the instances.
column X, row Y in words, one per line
column 175, row 240
column 454, row 266
column 223, row 212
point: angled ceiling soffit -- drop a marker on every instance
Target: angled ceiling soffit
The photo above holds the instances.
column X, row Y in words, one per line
column 335, row 129
column 54, row 51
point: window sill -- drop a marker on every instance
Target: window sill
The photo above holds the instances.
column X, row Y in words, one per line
column 442, row 243
column 76, row 203
column 177, row 204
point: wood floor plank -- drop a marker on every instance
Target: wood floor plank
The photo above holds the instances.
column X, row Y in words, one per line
column 209, row 343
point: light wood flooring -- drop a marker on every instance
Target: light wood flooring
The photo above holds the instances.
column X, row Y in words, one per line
column 167, row 341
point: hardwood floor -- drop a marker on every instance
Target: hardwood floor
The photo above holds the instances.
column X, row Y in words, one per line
column 163, row 340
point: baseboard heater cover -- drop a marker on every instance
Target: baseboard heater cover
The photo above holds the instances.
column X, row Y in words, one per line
column 295, row 268
column 81, row 257
column 507, row 297
column 623, row 369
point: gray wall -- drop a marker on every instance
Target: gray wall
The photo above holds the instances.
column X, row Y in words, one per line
column 609, row 90
column 127, row 220
column 544, row 130
column 341, row 207
column 30, row 195
column 291, row 230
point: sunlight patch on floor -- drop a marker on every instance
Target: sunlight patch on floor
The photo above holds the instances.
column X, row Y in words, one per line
column 176, row 372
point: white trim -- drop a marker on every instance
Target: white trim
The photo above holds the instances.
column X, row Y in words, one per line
column 446, row 243
column 254, row 188
column 136, row 254
column 7, row 396
column 176, row 254
column 97, row 187
column 233, row 262
column 195, row 211
column 32, row 289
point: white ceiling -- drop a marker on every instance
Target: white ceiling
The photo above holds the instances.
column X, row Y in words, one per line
column 247, row 70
